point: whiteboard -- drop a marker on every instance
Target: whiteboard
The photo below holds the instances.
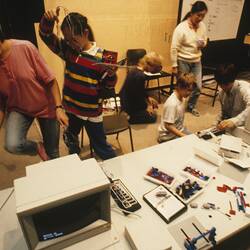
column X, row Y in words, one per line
column 223, row 17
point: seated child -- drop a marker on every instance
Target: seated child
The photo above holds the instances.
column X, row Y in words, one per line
column 134, row 98
column 172, row 119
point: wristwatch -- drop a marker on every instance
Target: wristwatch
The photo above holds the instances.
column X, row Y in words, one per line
column 58, row 107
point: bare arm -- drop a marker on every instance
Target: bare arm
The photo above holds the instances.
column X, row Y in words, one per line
column 60, row 114
column 46, row 27
column 171, row 128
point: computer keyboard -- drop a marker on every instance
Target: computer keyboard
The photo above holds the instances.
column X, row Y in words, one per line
column 123, row 197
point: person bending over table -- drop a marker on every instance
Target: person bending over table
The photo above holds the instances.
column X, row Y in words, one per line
column 234, row 98
column 134, row 98
column 28, row 90
column 172, row 120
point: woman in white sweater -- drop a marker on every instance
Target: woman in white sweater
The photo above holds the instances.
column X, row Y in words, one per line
column 188, row 39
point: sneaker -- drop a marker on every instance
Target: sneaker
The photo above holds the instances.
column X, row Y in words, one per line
column 194, row 112
column 41, row 151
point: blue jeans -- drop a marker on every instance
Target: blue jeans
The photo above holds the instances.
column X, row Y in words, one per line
column 142, row 117
column 95, row 133
column 17, row 126
column 195, row 68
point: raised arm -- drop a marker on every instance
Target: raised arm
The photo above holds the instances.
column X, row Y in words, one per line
column 46, row 32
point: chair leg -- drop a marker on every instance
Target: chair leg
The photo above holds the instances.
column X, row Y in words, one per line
column 131, row 139
column 82, row 131
column 91, row 149
column 116, row 106
column 117, row 135
column 215, row 94
column 171, row 84
column 159, row 91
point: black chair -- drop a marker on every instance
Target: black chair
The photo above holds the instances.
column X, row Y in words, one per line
column 159, row 87
column 209, row 82
column 114, row 123
column 134, row 55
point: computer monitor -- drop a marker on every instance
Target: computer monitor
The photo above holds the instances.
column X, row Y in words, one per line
column 60, row 204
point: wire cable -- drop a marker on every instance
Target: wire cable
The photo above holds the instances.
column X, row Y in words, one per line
column 12, row 191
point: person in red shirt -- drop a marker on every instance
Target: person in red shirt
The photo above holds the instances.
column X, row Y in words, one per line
column 28, row 90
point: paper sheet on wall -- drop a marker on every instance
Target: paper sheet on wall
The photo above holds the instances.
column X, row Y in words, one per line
column 223, row 17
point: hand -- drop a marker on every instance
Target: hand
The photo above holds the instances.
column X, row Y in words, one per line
column 153, row 102
column 200, row 44
column 108, row 70
column 111, row 71
column 150, row 110
column 52, row 15
column 175, row 70
column 62, row 118
column 225, row 124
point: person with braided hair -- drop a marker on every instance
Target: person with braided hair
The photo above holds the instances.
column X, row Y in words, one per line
column 83, row 79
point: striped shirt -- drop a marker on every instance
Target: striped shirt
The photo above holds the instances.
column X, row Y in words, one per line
column 82, row 76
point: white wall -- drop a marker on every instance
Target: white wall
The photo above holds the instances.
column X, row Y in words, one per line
column 119, row 25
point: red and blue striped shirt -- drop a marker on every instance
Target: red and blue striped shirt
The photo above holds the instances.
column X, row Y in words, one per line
column 82, row 76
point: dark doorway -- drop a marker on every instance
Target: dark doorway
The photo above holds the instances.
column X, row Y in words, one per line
column 18, row 17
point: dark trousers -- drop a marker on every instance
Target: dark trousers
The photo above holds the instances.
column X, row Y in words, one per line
column 142, row 117
column 95, row 133
column 17, row 126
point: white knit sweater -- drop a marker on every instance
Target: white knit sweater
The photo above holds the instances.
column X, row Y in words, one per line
column 184, row 43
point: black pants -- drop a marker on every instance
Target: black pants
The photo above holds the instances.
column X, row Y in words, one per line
column 142, row 117
column 95, row 133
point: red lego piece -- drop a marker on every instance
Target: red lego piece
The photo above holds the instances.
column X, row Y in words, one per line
column 222, row 189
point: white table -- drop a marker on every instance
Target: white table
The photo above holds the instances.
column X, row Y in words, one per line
column 172, row 155
column 131, row 168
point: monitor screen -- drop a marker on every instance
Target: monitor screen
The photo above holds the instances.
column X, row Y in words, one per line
column 67, row 218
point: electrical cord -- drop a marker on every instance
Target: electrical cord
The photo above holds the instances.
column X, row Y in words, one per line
column 12, row 191
column 125, row 211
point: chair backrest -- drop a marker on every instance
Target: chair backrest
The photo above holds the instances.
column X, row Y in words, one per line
column 134, row 55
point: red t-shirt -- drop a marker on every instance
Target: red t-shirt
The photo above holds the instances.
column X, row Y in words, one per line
column 24, row 82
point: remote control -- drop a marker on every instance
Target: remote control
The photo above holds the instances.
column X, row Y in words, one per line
column 123, row 197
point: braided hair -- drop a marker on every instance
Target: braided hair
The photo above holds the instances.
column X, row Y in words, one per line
column 77, row 23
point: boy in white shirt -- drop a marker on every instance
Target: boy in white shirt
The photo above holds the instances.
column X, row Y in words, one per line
column 172, row 120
